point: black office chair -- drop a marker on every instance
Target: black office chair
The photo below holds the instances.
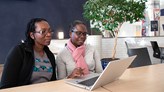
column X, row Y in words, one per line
column 127, row 47
column 156, row 51
column 142, row 58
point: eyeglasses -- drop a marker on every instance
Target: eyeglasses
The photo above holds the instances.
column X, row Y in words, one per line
column 78, row 33
column 44, row 32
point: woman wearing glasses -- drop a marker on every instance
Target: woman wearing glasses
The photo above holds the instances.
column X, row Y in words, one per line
column 31, row 61
column 77, row 59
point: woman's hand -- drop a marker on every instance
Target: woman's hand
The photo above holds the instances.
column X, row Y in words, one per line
column 77, row 72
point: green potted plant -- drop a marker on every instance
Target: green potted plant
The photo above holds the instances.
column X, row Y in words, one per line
column 111, row 14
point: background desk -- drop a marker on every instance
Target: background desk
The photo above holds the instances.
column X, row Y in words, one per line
column 142, row 79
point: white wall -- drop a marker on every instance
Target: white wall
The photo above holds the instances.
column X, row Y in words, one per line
column 108, row 43
column 162, row 4
column 161, row 28
column 127, row 29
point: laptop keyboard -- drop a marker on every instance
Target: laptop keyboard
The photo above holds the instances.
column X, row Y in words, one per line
column 89, row 82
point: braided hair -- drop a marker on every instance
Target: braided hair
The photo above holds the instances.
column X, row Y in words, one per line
column 31, row 28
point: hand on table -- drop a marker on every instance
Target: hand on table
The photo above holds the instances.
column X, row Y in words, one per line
column 77, row 72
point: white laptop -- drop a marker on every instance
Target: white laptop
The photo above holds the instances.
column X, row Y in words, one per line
column 111, row 73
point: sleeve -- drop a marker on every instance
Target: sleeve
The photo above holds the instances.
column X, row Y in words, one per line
column 61, row 67
column 11, row 70
column 98, row 67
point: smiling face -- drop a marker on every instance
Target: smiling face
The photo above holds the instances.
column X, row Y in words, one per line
column 42, row 35
column 78, row 35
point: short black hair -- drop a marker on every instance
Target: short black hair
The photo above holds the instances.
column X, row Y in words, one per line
column 74, row 23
